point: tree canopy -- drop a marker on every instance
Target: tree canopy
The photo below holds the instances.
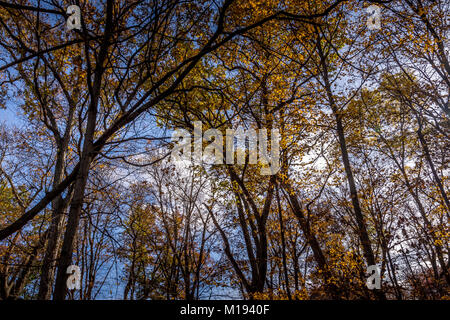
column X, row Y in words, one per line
column 359, row 113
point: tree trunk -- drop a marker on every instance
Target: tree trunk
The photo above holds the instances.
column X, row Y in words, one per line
column 54, row 235
column 362, row 230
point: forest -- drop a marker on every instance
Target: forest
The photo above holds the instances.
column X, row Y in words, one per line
column 224, row 149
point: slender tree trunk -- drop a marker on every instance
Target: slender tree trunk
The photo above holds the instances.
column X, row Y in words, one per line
column 54, row 235
column 319, row 257
column 428, row 225
column 433, row 169
column 73, row 221
column 58, row 206
column 283, row 246
column 362, row 230
column 85, row 161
